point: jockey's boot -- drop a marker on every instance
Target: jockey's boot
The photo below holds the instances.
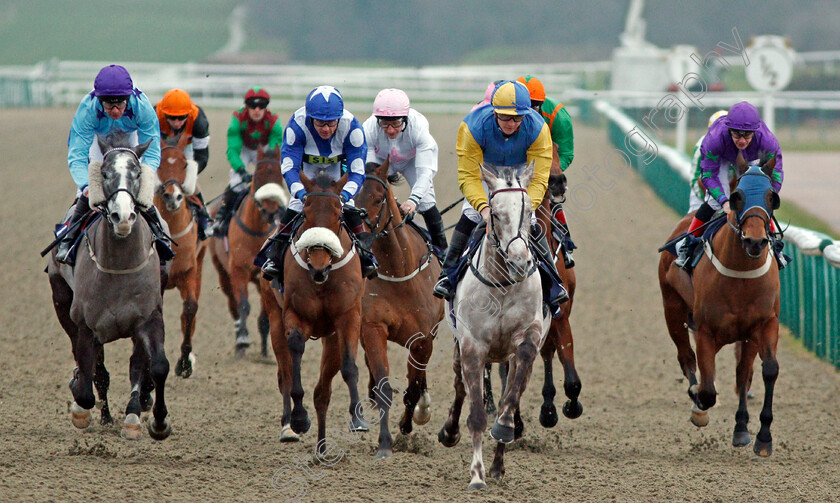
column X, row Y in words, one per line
column 363, row 239
column 202, row 218
column 434, row 223
column 270, row 257
column 162, row 243
column 560, row 231
column 685, row 246
column 556, row 293
column 460, row 239
column 781, row 259
column 222, row 221
column 65, row 253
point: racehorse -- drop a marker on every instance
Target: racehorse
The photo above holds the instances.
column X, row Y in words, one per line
column 178, row 177
column 322, row 299
column 114, row 292
column 734, row 297
column 498, row 315
column 233, row 255
column 407, row 271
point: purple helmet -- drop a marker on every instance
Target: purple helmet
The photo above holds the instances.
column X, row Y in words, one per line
column 743, row 116
column 113, row 80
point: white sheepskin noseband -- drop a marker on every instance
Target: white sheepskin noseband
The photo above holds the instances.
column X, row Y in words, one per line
column 322, row 238
column 272, row 191
column 145, row 197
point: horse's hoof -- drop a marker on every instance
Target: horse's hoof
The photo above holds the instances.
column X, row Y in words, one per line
column 160, row 433
column 448, row 440
column 358, row 424
column 384, row 454
column 501, row 433
column 763, row 449
column 497, row 472
column 741, row 439
column 477, row 486
column 132, row 428
column 147, row 402
column 80, row 417
column 572, row 410
column 699, row 418
column 548, row 415
column 406, row 427
column 750, row 395
column 184, row 367
column 423, row 411
column 288, row 435
column 300, row 425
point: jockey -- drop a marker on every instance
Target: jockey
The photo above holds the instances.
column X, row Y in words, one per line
column 251, row 127
column 562, row 136
column 114, row 103
column 741, row 131
column 178, row 115
column 321, row 137
column 507, row 132
column 488, row 94
column 401, row 134
column 697, row 190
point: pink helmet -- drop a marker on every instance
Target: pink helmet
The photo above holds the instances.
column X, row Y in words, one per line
column 391, row 103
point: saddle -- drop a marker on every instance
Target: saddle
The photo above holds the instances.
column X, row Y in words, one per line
column 277, row 283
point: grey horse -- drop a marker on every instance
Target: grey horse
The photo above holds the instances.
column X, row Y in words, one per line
column 498, row 315
column 114, row 291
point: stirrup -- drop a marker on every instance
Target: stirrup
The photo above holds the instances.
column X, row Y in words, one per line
column 443, row 289
column 269, row 269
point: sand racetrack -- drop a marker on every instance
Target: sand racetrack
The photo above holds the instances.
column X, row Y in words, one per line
column 633, row 443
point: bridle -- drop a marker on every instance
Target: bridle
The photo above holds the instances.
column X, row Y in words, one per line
column 334, row 266
column 373, row 226
column 494, row 236
column 172, row 181
column 113, row 194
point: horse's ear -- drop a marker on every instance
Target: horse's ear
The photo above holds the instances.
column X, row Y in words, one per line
column 308, row 184
column 736, row 201
column 139, row 150
column 382, row 170
column 741, row 165
column 487, row 173
column 339, row 184
column 183, row 140
column 769, row 167
column 771, row 199
column 527, row 175
column 103, row 145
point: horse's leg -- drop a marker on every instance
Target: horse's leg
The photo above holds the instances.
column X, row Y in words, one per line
column 676, row 316
column 284, row 361
column 769, row 338
column 153, row 332
column 746, row 356
column 187, row 288
column 572, row 409
column 450, row 434
column 102, row 380
column 81, row 385
column 331, row 362
column 489, row 401
column 264, row 328
column 706, row 394
column 548, row 412
column 416, row 397
column 736, row 349
column 138, row 371
column 503, row 429
column 347, row 328
column 374, row 341
column 296, row 340
column 227, row 288
column 472, row 368
column 239, row 280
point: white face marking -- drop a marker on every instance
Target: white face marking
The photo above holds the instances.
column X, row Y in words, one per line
column 122, row 204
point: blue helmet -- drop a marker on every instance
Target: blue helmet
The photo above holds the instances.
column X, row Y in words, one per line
column 324, row 103
column 113, row 80
column 511, row 98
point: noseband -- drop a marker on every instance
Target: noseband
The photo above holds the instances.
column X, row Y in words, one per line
column 495, row 237
column 110, row 196
column 738, row 230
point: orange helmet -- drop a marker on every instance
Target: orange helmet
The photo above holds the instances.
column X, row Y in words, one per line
column 535, row 87
column 175, row 102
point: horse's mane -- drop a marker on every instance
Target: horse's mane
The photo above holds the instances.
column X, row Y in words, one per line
column 323, row 180
column 118, row 138
column 395, row 179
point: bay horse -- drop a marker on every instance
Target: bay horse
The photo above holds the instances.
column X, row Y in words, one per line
column 114, row 291
column 734, row 297
column 322, row 299
column 397, row 305
column 498, row 315
column 233, row 255
column 179, row 178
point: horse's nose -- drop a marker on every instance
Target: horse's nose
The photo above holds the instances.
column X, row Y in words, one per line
column 319, row 276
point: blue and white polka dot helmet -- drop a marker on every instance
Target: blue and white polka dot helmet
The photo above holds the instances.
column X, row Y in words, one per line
column 324, row 103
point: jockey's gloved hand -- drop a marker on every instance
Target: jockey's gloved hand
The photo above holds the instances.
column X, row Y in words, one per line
column 344, row 196
column 246, row 177
column 300, row 194
column 557, row 185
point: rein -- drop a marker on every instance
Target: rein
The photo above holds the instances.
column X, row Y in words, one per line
column 498, row 243
column 493, row 284
column 296, row 252
column 732, row 273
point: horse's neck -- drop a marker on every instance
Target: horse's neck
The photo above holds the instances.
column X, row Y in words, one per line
column 178, row 219
column 117, row 253
column 491, row 264
column 396, row 253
